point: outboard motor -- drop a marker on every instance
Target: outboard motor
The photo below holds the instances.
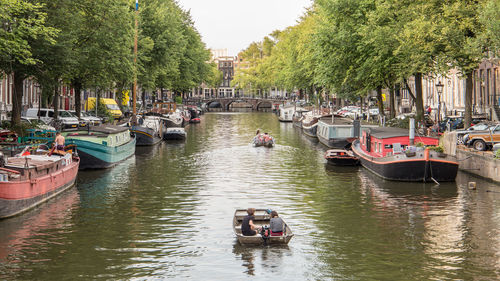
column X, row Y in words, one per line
column 265, row 232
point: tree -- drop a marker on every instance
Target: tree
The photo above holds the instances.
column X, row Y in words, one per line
column 98, row 60
column 461, row 30
column 490, row 17
column 23, row 26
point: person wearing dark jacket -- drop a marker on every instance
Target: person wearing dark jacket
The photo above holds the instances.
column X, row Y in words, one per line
column 248, row 228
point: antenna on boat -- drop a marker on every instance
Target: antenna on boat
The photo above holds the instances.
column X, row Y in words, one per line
column 412, row 131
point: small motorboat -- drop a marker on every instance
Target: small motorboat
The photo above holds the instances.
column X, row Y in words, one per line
column 262, row 219
column 341, row 157
column 174, row 134
column 263, row 140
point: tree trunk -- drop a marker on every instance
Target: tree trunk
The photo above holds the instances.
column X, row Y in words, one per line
column 55, row 101
column 77, row 85
column 468, row 100
column 397, row 97
column 419, row 102
column 380, row 101
column 17, row 98
column 391, row 100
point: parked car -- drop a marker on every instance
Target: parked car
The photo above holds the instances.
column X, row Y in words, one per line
column 452, row 123
column 478, row 127
column 87, row 119
column 66, row 121
column 483, row 140
column 37, row 123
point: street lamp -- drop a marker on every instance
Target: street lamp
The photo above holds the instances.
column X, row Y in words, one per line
column 439, row 89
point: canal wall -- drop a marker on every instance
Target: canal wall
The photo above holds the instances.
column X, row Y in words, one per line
column 483, row 164
column 479, row 163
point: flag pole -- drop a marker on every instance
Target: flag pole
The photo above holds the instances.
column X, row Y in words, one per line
column 134, row 90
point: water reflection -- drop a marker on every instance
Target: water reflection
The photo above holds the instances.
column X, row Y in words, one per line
column 269, row 259
column 23, row 237
column 166, row 214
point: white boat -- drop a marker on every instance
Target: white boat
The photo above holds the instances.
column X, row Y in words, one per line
column 286, row 113
column 174, row 134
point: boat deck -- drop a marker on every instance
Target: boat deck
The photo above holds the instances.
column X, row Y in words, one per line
column 33, row 161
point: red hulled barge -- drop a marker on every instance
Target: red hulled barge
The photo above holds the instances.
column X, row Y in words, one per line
column 387, row 152
column 28, row 180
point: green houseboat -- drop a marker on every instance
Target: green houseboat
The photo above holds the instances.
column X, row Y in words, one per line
column 102, row 146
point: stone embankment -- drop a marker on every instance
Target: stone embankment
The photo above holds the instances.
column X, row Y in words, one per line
column 479, row 163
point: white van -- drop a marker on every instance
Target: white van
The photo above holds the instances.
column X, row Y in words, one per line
column 68, row 120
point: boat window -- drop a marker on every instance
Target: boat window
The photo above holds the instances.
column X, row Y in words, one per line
column 380, row 147
column 396, row 148
column 344, row 132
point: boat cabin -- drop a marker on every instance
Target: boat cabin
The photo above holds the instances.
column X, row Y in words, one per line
column 386, row 141
column 164, row 107
column 286, row 113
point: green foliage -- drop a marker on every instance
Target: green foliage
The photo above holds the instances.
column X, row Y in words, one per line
column 420, row 144
column 490, row 18
column 399, row 123
column 23, row 22
column 214, row 78
column 497, row 154
column 103, row 112
column 178, row 99
column 439, row 149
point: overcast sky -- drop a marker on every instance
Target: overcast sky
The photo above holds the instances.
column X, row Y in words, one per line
column 234, row 24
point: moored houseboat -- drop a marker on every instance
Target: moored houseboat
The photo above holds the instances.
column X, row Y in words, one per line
column 310, row 124
column 148, row 130
column 103, row 146
column 339, row 132
column 27, row 181
column 298, row 116
column 286, row 113
column 387, row 152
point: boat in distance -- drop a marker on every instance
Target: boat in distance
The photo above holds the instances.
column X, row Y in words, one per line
column 175, row 134
column 263, row 140
column 262, row 218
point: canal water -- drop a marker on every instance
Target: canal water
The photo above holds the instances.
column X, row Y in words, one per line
column 167, row 214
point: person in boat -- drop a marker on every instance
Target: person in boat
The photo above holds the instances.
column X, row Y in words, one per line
column 277, row 225
column 258, row 136
column 59, row 142
column 267, row 137
column 248, row 228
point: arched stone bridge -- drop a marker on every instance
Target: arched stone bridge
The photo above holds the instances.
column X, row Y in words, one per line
column 225, row 103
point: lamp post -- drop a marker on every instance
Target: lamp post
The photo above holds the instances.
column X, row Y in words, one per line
column 439, row 89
